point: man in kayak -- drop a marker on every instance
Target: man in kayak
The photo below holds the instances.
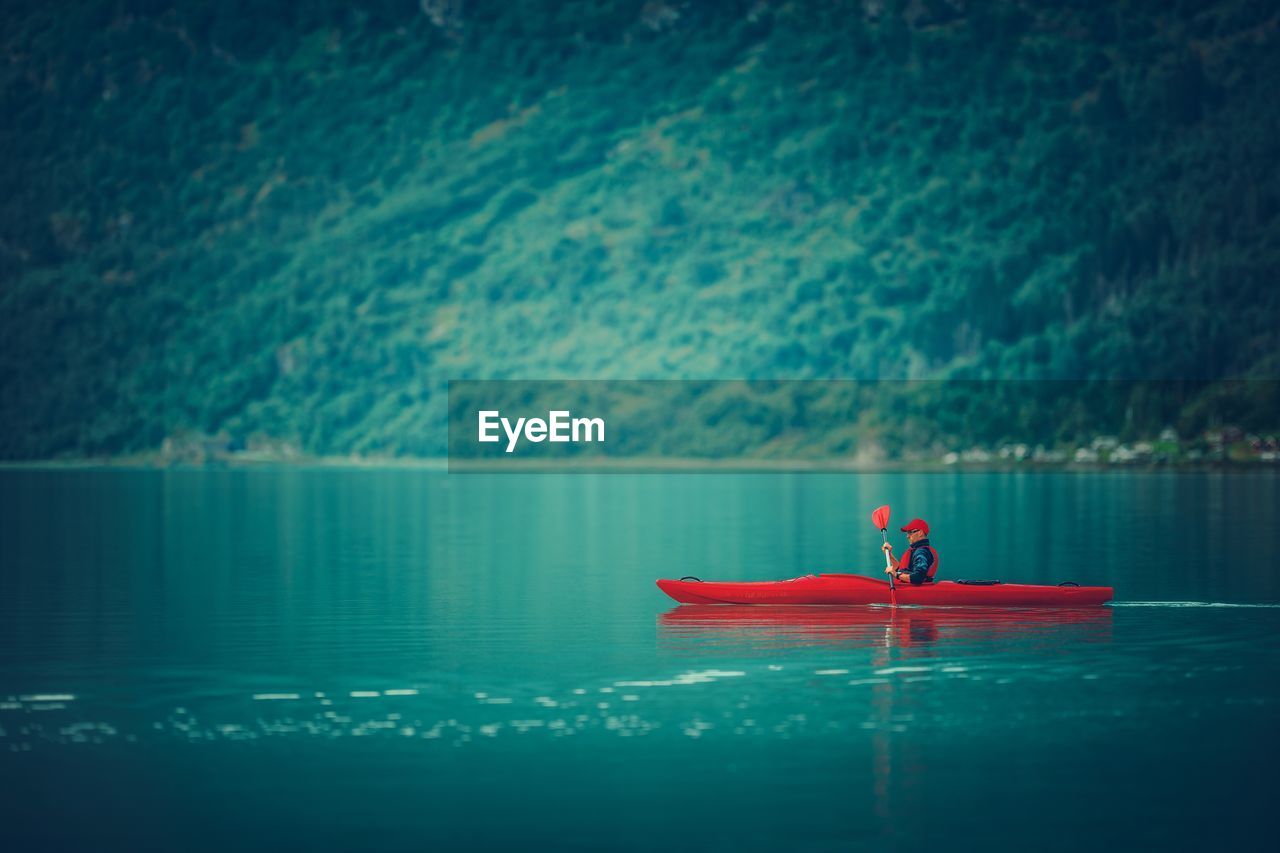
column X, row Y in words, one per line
column 920, row 563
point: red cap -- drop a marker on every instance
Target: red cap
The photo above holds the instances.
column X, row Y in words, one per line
column 917, row 524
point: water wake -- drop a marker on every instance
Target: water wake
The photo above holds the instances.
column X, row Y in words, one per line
column 1251, row 605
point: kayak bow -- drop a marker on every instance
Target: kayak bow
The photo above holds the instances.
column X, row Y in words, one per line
column 856, row 589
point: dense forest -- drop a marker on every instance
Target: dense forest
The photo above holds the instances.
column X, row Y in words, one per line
column 293, row 223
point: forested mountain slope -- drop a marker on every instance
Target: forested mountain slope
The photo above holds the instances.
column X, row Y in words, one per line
column 297, row 220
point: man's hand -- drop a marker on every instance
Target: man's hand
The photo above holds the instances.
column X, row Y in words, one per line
column 891, row 571
column 886, row 547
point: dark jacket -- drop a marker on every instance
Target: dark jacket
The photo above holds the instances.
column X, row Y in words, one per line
column 921, row 560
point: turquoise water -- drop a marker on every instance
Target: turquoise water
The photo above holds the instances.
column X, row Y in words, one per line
column 354, row 659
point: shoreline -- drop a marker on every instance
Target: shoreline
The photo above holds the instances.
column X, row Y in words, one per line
column 637, row 465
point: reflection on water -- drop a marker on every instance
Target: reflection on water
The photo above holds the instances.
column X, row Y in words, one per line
column 700, row 628
column 885, row 657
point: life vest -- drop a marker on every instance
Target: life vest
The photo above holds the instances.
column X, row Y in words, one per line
column 904, row 564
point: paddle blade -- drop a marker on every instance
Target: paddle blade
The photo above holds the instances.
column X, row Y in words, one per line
column 880, row 518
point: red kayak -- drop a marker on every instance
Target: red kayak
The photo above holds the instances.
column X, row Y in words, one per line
column 856, row 589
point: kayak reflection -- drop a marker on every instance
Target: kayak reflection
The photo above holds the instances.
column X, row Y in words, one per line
column 731, row 625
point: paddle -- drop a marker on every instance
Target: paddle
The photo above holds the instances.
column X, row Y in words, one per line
column 880, row 518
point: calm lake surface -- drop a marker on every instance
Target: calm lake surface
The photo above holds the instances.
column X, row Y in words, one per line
column 408, row 660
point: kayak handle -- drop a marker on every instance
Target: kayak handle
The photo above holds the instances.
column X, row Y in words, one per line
column 1068, row 583
column 691, row 578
